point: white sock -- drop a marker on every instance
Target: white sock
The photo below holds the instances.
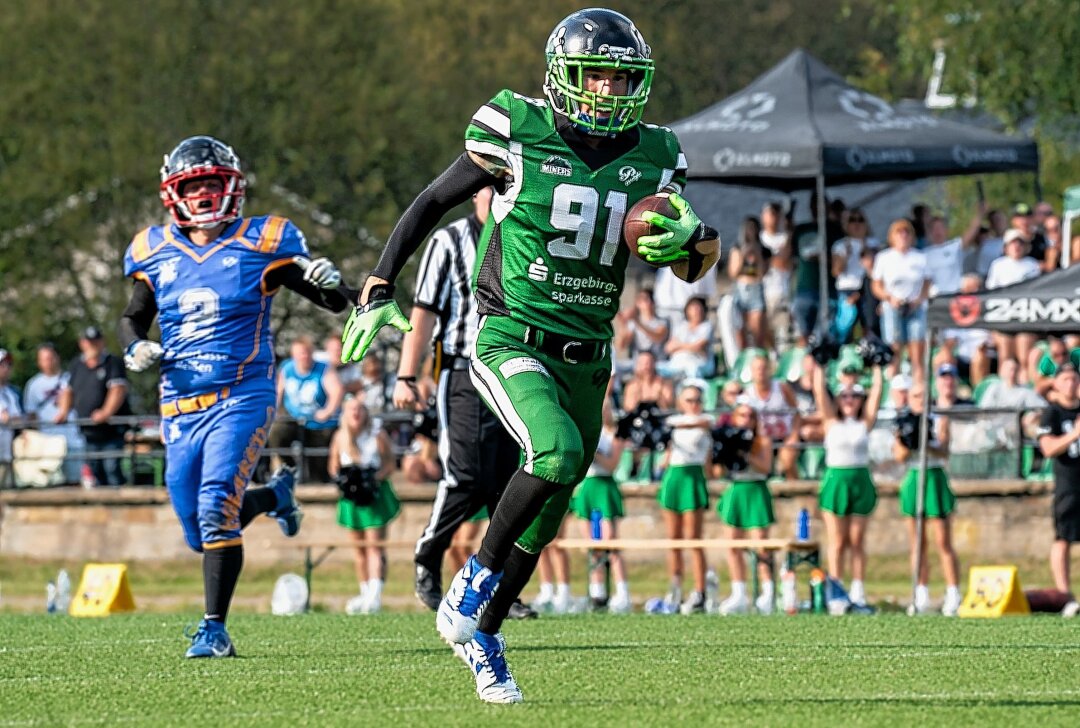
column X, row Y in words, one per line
column 547, row 591
column 374, row 588
column 738, row 589
column 767, row 590
column 363, row 589
column 562, row 591
column 597, row 590
column 922, row 595
column 622, row 589
column 857, row 592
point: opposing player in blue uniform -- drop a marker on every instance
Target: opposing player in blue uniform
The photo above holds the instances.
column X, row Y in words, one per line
column 210, row 278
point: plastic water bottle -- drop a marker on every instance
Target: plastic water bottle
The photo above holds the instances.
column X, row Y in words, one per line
column 595, row 519
column 63, row 592
column 802, row 525
column 817, row 591
column 789, row 597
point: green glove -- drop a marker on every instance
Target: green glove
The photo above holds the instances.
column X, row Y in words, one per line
column 365, row 321
column 670, row 246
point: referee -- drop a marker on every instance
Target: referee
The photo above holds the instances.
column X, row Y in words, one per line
column 478, row 456
column 1059, row 438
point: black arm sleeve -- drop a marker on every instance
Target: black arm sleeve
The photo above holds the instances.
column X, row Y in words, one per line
column 139, row 315
column 290, row 276
column 461, row 180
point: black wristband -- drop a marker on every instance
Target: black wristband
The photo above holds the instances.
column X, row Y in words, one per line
column 704, row 232
column 407, row 380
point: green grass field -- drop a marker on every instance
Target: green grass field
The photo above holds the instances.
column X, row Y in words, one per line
column 587, row 670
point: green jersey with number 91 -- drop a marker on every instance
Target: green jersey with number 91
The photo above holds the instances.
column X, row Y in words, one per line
column 551, row 254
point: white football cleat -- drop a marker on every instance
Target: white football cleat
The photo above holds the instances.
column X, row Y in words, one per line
column 469, row 595
column 485, row 656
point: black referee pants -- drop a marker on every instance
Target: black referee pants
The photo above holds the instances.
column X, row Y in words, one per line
column 478, row 457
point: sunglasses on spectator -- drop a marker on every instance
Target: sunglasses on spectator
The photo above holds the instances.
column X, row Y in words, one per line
column 856, row 218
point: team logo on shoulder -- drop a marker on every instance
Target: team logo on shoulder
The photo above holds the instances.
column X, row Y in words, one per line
column 167, row 272
column 538, row 271
column 229, row 261
column 628, row 175
column 557, row 165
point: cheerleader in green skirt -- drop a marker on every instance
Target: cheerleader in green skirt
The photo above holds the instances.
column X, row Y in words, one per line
column 356, row 442
column 847, row 495
column 746, row 509
column 599, row 492
column 683, row 496
column 939, row 500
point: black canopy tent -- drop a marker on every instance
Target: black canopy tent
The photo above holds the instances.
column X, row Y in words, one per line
column 1047, row 304
column 801, row 126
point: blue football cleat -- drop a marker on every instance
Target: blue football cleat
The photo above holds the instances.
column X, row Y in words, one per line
column 210, row 640
column 288, row 512
column 469, row 595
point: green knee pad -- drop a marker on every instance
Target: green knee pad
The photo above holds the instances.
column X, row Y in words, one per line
column 545, row 527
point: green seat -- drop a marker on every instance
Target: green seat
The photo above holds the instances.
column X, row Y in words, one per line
column 981, row 387
column 789, row 366
column 711, row 396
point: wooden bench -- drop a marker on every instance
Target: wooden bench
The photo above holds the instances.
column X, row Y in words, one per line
column 796, row 553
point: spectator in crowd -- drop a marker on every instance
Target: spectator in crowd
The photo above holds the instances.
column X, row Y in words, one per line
column 683, row 495
column 98, row 391
column 598, row 494
column 10, row 415
column 939, row 501
column 991, row 242
column 672, row 293
column 948, row 394
column 1047, row 364
column 1051, row 228
column 1013, row 267
column 358, row 447
column 847, row 269
column 869, row 303
column 420, row 463
column 642, row 330
column 690, row 347
column 847, row 496
column 899, row 395
column 746, row 510
column 945, row 256
column 777, row 282
column 806, row 248
column 748, row 263
column 553, row 572
column 969, row 350
column 41, row 399
column 810, row 421
column 902, row 282
column 373, row 384
column 1043, row 211
column 730, row 393
column 1007, row 393
column 309, row 393
column 1059, row 438
column 1036, row 244
column 775, row 404
column 646, row 386
column 348, row 374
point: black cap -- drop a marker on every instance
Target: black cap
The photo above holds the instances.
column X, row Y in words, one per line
column 91, row 333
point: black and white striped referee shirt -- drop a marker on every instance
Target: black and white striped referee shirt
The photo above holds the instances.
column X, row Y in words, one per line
column 443, row 285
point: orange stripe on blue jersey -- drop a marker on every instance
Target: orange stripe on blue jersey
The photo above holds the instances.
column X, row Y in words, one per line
column 140, row 246
column 272, row 232
column 139, row 275
column 281, row 263
column 258, row 337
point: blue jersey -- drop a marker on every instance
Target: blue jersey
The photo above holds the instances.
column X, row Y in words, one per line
column 305, row 395
column 213, row 301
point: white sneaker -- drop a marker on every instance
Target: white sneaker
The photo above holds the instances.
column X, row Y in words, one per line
column 619, row 604
column 1071, row 609
column 484, row 654
column 765, row 603
column 694, row 604
column 469, row 595
column 542, row 605
column 561, row 603
column 356, row 605
column 952, row 603
column 734, row 605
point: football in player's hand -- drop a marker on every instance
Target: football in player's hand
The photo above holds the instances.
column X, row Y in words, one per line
column 703, row 255
column 634, row 227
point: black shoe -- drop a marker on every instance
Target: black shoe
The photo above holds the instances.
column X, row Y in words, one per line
column 520, row 610
column 428, row 587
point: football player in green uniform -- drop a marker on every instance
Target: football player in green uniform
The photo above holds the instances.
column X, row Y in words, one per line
column 549, row 270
